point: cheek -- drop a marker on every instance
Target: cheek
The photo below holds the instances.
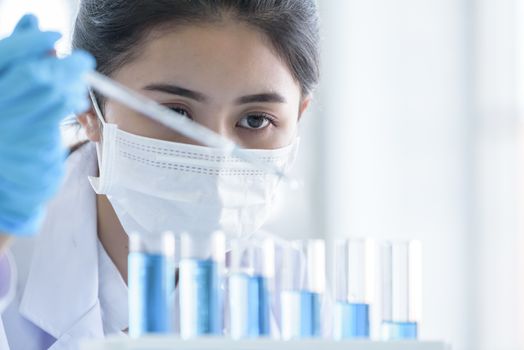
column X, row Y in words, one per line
column 117, row 114
column 287, row 129
column 128, row 120
column 289, row 133
column 289, row 125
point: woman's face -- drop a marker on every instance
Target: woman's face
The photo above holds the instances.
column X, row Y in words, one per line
column 226, row 77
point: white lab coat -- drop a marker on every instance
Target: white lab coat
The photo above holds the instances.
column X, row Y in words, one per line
column 72, row 290
column 58, row 301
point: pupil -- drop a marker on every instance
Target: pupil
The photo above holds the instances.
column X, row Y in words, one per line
column 255, row 121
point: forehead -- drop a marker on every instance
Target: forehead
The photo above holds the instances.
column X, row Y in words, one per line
column 230, row 57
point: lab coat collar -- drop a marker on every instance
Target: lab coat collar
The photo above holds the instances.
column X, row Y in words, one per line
column 61, row 293
column 112, row 294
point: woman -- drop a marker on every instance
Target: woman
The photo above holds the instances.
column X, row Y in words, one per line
column 244, row 69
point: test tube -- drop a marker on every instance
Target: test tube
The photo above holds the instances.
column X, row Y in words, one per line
column 252, row 271
column 402, row 289
column 151, row 279
column 303, row 286
column 201, row 272
column 354, row 288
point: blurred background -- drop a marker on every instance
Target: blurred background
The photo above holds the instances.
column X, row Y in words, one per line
column 416, row 132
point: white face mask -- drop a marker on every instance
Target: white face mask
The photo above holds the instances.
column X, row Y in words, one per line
column 156, row 185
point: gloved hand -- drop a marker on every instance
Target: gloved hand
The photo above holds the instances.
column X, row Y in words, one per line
column 37, row 90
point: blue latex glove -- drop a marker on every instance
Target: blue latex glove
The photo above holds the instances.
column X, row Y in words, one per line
column 37, row 90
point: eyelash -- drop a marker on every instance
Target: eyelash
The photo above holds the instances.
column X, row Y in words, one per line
column 267, row 118
column 178, row 108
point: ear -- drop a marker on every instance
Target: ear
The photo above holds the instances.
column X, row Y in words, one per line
column 91, row 125
column 304, row 104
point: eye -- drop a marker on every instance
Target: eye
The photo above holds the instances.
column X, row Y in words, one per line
column 255, row 122
column 180, row 110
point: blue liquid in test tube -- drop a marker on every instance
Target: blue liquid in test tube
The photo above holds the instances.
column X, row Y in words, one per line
column 400, row 330
column 310, row 309
column 252, row 269
column 200, row 298
column 249, row 306
column 353, row 320
column 354, row 271
column 258, row 292
column 303, row 281
column 402, row 289
column 301, row 316
column 151, row 278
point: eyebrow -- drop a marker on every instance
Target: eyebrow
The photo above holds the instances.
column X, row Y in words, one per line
column 265, row 97
column 177, row 90
column 268, row 97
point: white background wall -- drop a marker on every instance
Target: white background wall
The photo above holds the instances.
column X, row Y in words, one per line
column 498, row 243
column 396, row 107
column 52, row 14
column 416, row 132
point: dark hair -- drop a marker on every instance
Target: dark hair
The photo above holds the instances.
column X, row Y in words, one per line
column 112, row 30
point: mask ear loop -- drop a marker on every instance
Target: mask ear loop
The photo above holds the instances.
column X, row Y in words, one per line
column 96, row 107
column 101, row 124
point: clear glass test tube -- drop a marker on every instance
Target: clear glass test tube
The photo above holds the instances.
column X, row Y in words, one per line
column 303, row 286
column 252, row 271
column 354, row 288
column 201, row 272
column 151, row 282
column 402, row 289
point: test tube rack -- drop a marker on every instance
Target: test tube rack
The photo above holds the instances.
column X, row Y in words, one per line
column 165, row 343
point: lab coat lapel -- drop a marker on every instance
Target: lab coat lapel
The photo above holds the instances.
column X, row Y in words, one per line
column 88, row 326
column 61, row 294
